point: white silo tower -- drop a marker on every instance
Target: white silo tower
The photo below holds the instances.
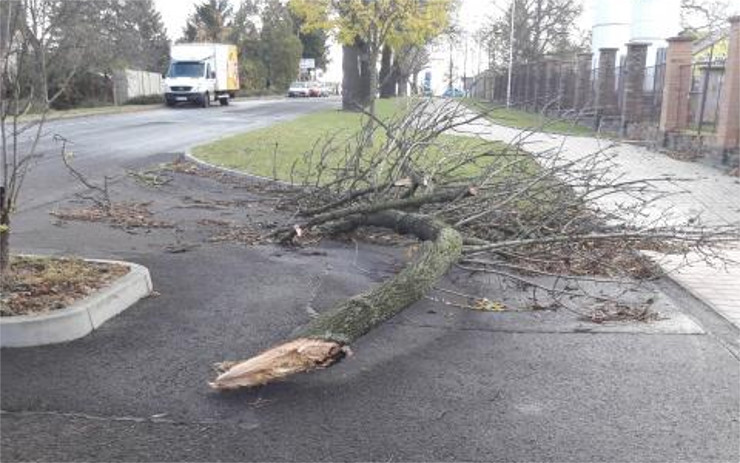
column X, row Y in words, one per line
column 653, row 21
column 611, row 26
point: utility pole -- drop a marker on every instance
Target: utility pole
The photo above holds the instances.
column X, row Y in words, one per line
column 451, row 66
column 465, row 65
column 511, row 53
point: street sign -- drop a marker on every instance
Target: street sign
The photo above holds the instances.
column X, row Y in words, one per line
column 307, row 63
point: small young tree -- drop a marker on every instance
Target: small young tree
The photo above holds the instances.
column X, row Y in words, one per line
column 29, row 46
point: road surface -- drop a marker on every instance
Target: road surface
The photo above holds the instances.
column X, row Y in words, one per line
column 107, row 145
column 436, row 383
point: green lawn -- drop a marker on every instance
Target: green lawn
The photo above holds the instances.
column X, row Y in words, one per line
column 525, row 120
column 279, row 151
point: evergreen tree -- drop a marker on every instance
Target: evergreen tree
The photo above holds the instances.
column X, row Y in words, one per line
column 280, row 48
column 210, row 22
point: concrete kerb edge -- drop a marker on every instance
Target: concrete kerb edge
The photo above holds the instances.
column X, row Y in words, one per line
column 239, row 173
column 82, row 317
column 673, row 277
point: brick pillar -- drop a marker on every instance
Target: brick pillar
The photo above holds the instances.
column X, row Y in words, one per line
column 535, row 87
column 606, row 96
column 553, row 78
column 565, row 86
column 515, row 86
column 674, row 113
column 634, row 81
column 529, row 88
column 728, row 128
column 521, row 80
column 583, row 81
column 542, row 90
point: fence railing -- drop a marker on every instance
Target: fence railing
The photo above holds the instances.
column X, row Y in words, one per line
column 704, row 95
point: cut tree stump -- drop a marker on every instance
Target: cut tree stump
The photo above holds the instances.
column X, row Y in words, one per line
column 326, row 339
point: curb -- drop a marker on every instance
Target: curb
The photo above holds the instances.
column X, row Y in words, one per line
column 83, row 316
column 673, row 276
column 239, row 173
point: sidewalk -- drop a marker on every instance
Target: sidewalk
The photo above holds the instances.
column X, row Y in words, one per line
column 710, row 194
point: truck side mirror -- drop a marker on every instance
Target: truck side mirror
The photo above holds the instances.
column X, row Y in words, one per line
column 213, row 75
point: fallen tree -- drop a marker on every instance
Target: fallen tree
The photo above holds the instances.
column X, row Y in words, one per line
column 326, row 339
column 486, row 207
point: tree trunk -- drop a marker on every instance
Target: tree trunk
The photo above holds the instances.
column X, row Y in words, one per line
column 4, row 248
column 403, row 85
column 324, row 341
column 350, row 78
column 387, row 74
column 4, row 235
column 373, row 82
column 367, row 88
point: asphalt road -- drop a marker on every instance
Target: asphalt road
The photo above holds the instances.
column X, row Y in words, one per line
column 436, row 383
column 107, row 144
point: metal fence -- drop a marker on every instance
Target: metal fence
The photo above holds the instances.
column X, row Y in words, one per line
column 620, row 74
column 551, row 86
column 653, row 87
column 704, row 94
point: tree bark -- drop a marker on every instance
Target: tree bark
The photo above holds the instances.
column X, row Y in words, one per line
column 350, row 78
column 325, row 340
column 402, row 84
column 4, row 235
column 368, row 76
column 387, row 75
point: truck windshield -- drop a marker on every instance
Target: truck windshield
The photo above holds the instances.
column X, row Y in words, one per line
column 186, row 69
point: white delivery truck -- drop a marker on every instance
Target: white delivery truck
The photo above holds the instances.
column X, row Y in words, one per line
column 200, row 73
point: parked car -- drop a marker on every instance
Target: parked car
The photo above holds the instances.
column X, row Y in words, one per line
column 299, row 89
column 327, row 89
column 314, row 89
column 453, row 93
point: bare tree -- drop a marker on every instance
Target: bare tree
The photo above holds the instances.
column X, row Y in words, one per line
column 540, row 27
column 25, row 46
column 409, row 62
column 705, row 16
column 531, row 218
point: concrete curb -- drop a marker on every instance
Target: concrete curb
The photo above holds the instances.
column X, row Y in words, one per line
column 80, row 318
column 676, row 278
column 240, row 173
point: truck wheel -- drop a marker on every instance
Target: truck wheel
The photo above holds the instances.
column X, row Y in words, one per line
column 206, row 100
column 224, row 101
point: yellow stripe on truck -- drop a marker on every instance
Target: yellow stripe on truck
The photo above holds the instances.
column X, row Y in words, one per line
column 232, row 69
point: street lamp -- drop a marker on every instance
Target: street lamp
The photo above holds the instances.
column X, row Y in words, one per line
column 511, row 54
column 511, row 49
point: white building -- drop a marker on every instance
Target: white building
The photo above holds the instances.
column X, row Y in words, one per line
column 617, row 22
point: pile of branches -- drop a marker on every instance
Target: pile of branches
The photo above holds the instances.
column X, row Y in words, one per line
column 525, row 210
column 484, row 206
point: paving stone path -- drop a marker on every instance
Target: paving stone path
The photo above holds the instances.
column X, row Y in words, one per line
column 697, row 191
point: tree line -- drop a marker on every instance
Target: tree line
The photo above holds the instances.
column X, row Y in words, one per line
column 268, row 34
column 81, row 43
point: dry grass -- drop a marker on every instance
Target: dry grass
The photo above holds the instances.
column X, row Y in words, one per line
column 39, row 285
column 616, row 312
column 124, row 215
